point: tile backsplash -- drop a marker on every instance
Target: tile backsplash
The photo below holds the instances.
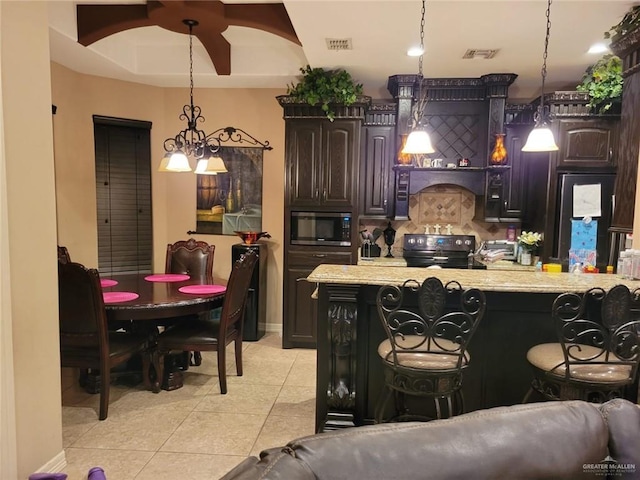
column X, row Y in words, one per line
column 439, row 205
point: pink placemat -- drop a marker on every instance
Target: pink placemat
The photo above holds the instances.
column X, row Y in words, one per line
column 115, row 297
column 107, row 282
column 167, row 277
column 202, row 289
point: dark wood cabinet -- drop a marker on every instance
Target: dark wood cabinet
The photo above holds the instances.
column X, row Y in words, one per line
column 300, row 309
column 376, row 174
column 587, row 143
column 321, row 163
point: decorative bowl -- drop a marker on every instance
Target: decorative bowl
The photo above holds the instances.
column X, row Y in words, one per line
column 249, row 238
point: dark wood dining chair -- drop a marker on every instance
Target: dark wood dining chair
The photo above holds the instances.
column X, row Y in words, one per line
column 210, row 334
column 63, row 254
column 85, row 341
column 190, row 257
column 194, row 258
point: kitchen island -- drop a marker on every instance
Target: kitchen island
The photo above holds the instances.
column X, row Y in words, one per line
column 518, row 316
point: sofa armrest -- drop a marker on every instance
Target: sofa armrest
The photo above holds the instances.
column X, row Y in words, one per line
column 623, row 419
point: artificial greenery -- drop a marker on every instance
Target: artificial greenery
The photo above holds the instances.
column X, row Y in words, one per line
column 603, row 82
column 324, row 87
column 629, row 22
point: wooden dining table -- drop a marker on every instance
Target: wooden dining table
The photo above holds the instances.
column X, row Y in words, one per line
column 159, row 303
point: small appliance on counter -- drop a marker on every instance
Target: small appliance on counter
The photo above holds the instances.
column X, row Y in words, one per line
column 508, row 248
column 369, row 249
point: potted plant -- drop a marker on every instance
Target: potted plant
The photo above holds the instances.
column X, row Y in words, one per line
column 528, row 243
column 325, row 87
column 603, row 82
column 629, row 22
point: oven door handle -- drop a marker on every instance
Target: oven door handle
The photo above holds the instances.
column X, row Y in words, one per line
column 441, row 259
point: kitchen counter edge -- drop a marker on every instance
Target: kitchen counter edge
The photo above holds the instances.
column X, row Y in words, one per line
column 487, row 280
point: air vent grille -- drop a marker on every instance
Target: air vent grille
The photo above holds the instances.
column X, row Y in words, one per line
column 339, row 44
column 480, row 53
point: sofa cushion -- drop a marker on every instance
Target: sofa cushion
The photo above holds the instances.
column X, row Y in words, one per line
column 541, row 440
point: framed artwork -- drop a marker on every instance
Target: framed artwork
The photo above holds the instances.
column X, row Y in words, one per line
column 231, row 201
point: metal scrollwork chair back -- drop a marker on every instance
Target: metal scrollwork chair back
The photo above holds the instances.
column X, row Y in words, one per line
column 429, row 326
column 598, row 350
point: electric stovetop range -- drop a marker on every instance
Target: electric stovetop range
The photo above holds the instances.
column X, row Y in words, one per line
column 447, row 251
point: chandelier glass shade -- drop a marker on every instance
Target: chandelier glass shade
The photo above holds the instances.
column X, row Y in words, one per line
column 541, row 137
column 193, row 143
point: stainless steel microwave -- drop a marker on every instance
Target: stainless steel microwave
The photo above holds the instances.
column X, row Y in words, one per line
column 316, row 228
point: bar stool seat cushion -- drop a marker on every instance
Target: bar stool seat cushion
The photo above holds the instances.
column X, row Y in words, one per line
column 443, row 354
column 549, row 357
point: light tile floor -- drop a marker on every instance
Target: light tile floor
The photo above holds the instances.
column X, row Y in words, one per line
column 193, row 433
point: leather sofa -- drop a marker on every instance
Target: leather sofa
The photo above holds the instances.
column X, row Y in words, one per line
column 559, row 440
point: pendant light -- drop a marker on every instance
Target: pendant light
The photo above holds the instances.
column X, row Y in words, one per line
column 418, row 141
column 541, row 137
column 195, row 143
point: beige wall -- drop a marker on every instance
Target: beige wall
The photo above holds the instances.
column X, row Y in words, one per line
column 79, row 96
column 31, row 215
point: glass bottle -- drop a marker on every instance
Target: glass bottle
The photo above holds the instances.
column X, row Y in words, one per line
column 499, row 153
column 231, row 204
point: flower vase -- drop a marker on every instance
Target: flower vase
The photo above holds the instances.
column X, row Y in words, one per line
column 499, row 153
column 525, row 257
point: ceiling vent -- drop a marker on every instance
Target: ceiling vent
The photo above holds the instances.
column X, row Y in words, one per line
column 339, row 44
column 480, row 53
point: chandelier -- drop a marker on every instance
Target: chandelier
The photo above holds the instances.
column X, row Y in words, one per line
column 541, row 137
column 193, row 143
column 418, row 141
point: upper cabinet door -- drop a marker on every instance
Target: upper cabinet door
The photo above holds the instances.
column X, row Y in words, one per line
column 303, row 141
column 340, row 147
column 587, row 143
column 376, row 164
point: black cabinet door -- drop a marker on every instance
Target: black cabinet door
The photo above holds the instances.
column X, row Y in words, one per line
column 515, row 186
column 299, row 315
column 376, row 171
column 587, row 142
column 303, row 177
column 341, row 140
column 299, row 327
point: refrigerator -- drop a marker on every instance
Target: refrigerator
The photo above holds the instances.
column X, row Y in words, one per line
column 584, row 216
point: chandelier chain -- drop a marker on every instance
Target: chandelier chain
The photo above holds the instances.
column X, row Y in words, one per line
column 191, row 62
column 543, row 71
column 421, row 39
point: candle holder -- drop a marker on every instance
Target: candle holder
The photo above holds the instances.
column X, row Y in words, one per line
column 389, row 237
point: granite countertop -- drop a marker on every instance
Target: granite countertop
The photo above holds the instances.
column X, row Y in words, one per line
column 401, row 262
column 488, row 280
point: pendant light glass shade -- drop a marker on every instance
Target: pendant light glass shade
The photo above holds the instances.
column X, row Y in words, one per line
column 178, row 162
column 164, row 162
column 418, row 142
column 540, row 140
column 201, row 167
column 210, row 166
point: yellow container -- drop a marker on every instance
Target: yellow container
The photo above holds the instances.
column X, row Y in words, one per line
column 554, row 267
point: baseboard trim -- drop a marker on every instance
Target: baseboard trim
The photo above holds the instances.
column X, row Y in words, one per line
column 274, row 328
column 56, row 465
